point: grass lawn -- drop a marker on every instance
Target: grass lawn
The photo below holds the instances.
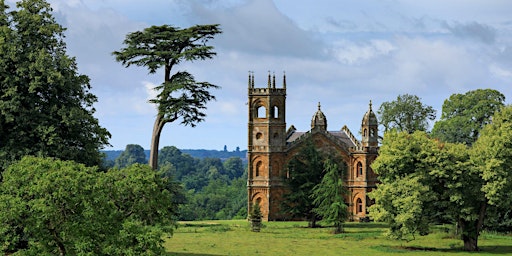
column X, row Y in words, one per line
column 233, row 237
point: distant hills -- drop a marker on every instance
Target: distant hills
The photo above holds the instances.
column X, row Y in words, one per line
column 111, row 155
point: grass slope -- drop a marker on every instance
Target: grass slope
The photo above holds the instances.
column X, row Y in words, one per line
column 234, row 237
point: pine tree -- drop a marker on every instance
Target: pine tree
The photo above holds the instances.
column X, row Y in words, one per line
column 328, row 197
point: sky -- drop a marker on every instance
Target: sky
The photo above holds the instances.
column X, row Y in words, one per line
column 341, row 53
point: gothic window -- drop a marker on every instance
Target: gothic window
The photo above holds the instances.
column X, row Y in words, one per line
column 276, row 112
column 258, row 168
column 262, row 112
column 359, row 169
column 364, row 132
column 359, row 205
column 372, row 133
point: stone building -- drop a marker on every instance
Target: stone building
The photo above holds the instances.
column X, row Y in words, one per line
column 271, row 146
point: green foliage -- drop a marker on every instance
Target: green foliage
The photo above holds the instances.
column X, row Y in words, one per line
column 46, row 107
column 406, row 114
column 464, row 115
column 492, row 153
column 61, row 207
column 425, row 181
column 328, row 197
column 180, row 95
column 213, row 189
column 133, row 154
column 306, row 171
column 407, row 197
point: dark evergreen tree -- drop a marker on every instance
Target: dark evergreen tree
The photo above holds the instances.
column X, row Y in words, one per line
column 46, row 107
column 305, row 172
column 328, row 196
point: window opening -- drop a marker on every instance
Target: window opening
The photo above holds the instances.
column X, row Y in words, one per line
column 262, row 112
column 276, row 112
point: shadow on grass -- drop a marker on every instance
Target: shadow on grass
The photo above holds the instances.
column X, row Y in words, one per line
column 499, row 249
column 187, row 254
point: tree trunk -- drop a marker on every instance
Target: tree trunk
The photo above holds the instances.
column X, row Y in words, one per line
column 470, row 243
column 471, row 229
column 155, row 141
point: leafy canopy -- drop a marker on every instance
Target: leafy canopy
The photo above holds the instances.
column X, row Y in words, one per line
column 406, row 113
column 464, row 115
column 61, row 207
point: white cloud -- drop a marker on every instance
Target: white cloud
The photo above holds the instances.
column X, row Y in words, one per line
column 353, row 53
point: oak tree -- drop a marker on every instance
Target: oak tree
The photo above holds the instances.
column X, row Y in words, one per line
column 406, row 113
column 64, row 208
column 464, row 115
column 180, row 95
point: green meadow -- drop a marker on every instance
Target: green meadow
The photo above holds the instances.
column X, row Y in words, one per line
column 233, row 237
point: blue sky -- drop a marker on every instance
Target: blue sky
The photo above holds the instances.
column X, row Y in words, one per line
column 341, row 53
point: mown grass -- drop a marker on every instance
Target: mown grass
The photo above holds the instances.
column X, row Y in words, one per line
column 234, row 237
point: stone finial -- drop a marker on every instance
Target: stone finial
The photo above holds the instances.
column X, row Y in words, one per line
column 284, row 80
column 269, row 80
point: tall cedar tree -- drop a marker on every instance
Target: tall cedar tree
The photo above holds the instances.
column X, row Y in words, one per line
column 328, row 196
column 305, row 172
column 46, row 107
column 180, row 95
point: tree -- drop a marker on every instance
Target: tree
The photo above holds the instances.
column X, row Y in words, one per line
column 180, row 95
column 492, row 154
column 464, row 115
column 426, row 181
column 234, row 167
column 406, row 113
column 46, row 106
column 131, row 155
column 305, row 172
column 328, row 197
column 64, row 208
column 402, row 199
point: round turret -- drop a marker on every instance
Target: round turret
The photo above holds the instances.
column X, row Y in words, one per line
column 369, row 128
column 319, row 121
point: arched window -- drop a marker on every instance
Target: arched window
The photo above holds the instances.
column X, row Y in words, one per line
column 359, row 169
column 258, row 168
column 262, row 112
column 276, row 112
column 365, row 132
column 359, row 205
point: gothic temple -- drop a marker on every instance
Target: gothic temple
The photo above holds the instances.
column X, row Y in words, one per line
column 271, row 146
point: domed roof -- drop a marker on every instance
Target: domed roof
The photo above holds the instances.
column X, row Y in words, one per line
column 319, row 120
column 369, row 118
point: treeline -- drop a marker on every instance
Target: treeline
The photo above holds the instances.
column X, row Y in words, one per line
column 209, row 188
column 111, row 155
